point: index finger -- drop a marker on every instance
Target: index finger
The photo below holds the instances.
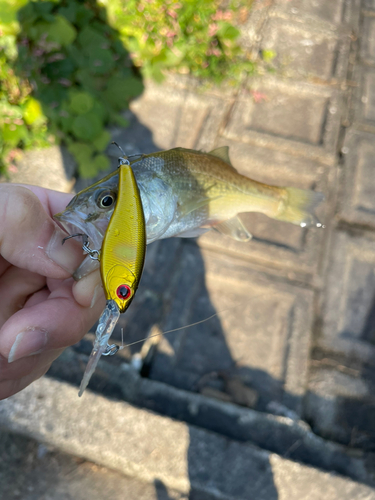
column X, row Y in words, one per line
column 52, row 201
column 30, row 239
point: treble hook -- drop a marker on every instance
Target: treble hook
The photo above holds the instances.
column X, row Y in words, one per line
column 74, row 236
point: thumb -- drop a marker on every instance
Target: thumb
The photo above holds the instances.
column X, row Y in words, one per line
column 30, row 239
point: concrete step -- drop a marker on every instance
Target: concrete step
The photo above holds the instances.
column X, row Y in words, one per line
column 279, row 432
column 149, row 447
column 32, row 471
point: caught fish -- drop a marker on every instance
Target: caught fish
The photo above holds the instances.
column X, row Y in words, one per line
column 121, row 259
column 185, row 193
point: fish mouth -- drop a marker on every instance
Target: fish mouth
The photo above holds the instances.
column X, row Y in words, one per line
column 75, row 226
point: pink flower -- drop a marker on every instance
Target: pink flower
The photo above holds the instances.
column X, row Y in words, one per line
column 212, row 29
column 213, row 51
column 221, row 15
column 258, row 96
column 172, row 13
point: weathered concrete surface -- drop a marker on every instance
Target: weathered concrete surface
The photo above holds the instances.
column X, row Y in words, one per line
column 153, row 448
column 32, row 471
column 357, row 202
column 50, row 168
column 302, row 54
column 272, row 360
column 190, row 120
column 278, row 429
column 297, row 118
column 335, row 14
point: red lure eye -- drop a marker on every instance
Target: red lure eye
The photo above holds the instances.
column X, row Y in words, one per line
column 123, row 292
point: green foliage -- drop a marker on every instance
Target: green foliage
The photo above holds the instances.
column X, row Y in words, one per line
column 65, row 72
column 268, row 55
column 64, row 76
column 188, row 36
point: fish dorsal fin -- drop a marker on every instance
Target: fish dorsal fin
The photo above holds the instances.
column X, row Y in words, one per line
column 234, row 228
column 223, row 154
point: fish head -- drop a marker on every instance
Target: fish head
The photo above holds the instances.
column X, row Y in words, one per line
column 88, row 213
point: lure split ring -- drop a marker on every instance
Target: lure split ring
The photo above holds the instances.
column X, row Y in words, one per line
column 111, row 350
column 94, row 254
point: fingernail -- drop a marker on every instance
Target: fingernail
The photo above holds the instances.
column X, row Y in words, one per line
column 27, row 343
column 65, row 255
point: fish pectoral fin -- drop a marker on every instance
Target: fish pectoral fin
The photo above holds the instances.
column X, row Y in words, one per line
column 193, row 233
column 223, row 154
column 190, row 206
column 234, row 228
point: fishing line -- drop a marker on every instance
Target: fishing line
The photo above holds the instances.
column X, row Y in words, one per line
column 191, row 324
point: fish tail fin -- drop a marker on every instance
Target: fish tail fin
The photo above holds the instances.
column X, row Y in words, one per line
column 299, row 207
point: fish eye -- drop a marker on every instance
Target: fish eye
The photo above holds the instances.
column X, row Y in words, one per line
column 106, row 199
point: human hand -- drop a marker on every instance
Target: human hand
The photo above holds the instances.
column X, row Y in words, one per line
column 39, row 315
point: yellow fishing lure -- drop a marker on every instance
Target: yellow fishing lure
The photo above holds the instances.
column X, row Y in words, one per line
column 121, row 261
column 124, row 245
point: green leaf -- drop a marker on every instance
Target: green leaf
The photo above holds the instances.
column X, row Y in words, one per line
column 33, row 112
column 66, row 123
column 48, row 94
column 268, row 55
column 59, row 69
column 119, row 120
column 70, row 12
column 42, row 8
column 87, row 169
column 101, row 61
column 90, row 40
column 25, row 14
column 120, row 90
column 8, row 11
column 227, row 31
column 60, row 31
column 80, row 102
column 87, row 126
column 101, row 141
column 83, row 15
column 101, row 162
column 100, row 110
column 81, row 151
column 14, row 134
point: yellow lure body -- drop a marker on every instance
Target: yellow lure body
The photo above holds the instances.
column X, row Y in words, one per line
column 124, row 246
